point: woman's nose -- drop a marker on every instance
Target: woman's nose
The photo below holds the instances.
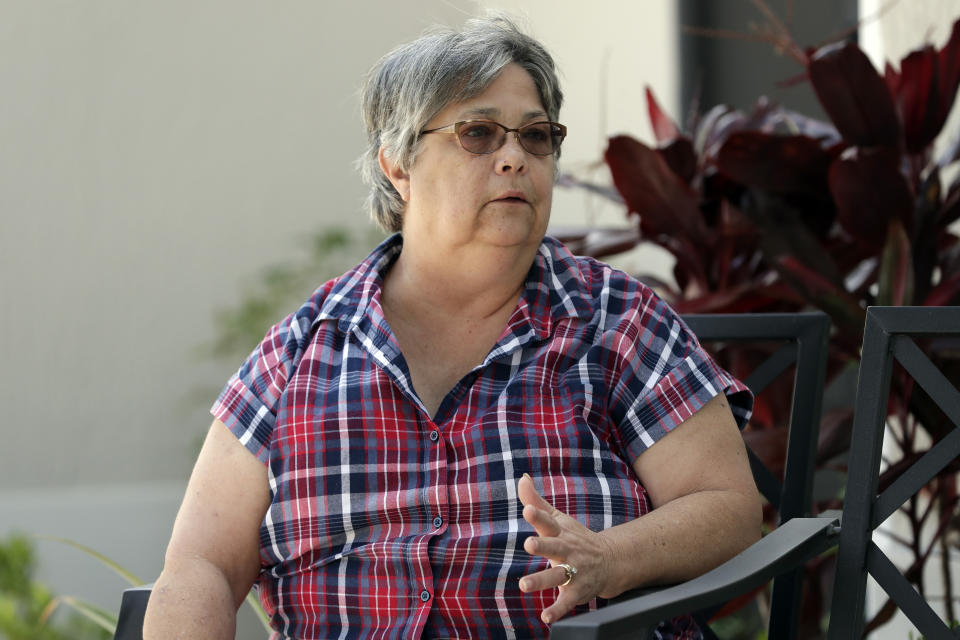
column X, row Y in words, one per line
column 512, row 158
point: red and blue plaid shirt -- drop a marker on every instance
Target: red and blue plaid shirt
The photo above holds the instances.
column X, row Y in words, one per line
column 387, row 522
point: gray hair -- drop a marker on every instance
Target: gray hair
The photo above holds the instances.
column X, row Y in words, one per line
column 410, row 85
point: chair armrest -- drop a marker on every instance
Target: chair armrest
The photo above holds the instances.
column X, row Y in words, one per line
column 132, row 607
column 787, row 547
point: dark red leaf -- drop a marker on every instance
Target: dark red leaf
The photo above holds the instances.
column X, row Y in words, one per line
column 891, row 77
column 744, row 298
column 869, row 192
column 651, row 189
column 843, row 307
column 945, row 293
column 664, row 129
column 788, row 227
column 770, row 445
column 811, row 280
column 854, row 95
column 779, row 164
column 733, row 223
column 896, row 268
column 917, row 97
column 681, row 158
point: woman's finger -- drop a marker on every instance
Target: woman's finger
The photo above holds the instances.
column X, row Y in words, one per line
column 547, row 579
column 543, row 523
column 528, row 494
column 563, row 605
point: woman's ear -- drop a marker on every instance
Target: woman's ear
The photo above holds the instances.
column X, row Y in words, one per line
column 399, row 178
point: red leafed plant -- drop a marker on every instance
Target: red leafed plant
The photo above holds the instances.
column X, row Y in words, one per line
column 775, row 211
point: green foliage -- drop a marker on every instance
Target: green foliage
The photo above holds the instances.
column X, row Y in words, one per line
column 282, row 288
column 29, row 611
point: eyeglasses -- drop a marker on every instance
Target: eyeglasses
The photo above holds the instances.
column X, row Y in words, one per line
column 486, row 136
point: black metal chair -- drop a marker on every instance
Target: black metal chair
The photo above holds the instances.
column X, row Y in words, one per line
column 889, row 335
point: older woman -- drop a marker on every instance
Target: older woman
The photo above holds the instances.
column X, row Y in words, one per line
column 473, row 432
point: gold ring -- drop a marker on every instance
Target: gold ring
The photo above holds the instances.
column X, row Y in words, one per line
column 569, row 570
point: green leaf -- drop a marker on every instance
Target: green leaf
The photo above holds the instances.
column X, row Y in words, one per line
column 119, row 570
column 101, row 617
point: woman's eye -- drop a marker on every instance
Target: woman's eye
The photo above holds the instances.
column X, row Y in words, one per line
column 536, row 134
column 477, row 131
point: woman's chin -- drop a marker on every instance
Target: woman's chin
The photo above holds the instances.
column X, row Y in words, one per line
column 512, row 230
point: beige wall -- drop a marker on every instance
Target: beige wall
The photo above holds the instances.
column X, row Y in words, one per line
column 149, row 146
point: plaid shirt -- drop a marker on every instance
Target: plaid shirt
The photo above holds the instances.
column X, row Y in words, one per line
column 387, row 522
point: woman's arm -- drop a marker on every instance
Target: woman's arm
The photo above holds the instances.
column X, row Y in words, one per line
column 706, row 510
column 213, row 556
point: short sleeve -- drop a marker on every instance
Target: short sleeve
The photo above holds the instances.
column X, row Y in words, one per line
column 248, row 403
column 665, row 377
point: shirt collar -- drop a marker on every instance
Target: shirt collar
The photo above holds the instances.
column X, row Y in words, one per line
column 556, row 288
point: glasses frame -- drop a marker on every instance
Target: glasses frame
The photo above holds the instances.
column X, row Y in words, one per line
column 455, row 129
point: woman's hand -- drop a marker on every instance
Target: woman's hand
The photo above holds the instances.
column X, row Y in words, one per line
column 705, row 511
column 563, row 539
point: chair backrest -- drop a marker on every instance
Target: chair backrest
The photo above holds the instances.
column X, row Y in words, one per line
column 804, row 338
column 889, row 336
column 132, row 607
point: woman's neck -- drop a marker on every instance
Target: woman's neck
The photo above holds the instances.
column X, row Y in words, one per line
column 469, row 283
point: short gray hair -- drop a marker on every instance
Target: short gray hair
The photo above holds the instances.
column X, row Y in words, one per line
column 413, row 83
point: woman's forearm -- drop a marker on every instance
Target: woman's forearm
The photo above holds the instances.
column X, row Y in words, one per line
column 681, row 539
column 191, row 599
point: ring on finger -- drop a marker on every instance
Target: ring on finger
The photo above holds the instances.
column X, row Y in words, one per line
column 570, row 572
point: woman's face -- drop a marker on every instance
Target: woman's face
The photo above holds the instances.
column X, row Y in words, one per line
column 502, row 198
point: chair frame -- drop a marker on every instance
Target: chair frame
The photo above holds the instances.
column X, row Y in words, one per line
column 888, row 336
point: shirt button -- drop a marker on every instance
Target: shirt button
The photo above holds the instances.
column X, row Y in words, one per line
column 424, row 595
column 434, row 436
column 437, row 522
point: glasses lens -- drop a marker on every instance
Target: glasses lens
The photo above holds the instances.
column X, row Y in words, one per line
column 540, row 138
column 480, row 137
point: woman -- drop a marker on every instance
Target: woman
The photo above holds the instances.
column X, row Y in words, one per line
column 473, row 433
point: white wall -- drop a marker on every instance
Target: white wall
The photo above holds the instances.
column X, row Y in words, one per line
column 146, row 148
